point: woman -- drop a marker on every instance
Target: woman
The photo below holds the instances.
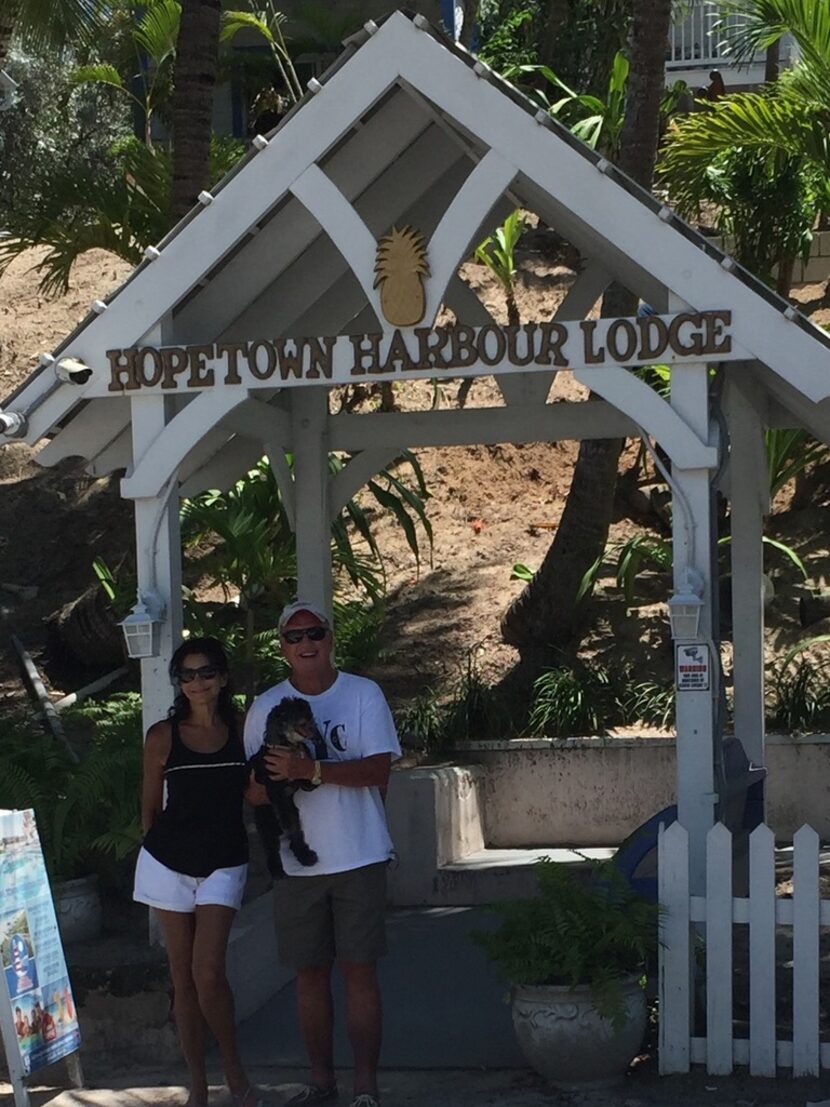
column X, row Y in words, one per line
column 194, row 861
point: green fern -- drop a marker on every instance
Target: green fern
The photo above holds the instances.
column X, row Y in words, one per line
column 576, row 932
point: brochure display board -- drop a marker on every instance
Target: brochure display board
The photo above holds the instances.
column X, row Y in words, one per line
column 37, row 1009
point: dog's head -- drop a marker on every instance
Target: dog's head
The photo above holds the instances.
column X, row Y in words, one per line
column 290, row 723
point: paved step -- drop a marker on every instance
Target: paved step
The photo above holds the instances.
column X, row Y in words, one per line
column 492, row 875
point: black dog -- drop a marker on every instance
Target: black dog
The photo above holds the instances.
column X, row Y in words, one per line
column 290, row 725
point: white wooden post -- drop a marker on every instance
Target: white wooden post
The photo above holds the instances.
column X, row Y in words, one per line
column 719, row 951
column 158, row 560
column 806, row 1049
column 749, row 494
column 692, row 538
column 309, row 411
column 675, row 950
column 762, row 1049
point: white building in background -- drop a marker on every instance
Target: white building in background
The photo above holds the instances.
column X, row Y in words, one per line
column 695, row 47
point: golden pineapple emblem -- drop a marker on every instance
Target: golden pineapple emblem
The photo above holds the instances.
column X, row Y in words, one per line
column 400, row 268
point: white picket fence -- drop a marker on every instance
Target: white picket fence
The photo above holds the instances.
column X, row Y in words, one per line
column 707, row 922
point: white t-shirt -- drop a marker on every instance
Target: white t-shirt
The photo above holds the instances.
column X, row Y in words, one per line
column 345, row 826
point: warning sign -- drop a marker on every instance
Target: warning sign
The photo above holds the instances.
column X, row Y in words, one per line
column 691, row 669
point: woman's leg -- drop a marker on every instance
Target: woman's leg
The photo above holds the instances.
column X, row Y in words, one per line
column 210, row 943
column 179, row 930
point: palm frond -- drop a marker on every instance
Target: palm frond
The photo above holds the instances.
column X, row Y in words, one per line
column 158, row 30
column 48, row 24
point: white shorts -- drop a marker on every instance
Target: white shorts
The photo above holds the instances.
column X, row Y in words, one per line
column 160, row 887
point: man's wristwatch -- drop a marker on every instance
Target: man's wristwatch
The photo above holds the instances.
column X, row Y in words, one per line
column 317, row 773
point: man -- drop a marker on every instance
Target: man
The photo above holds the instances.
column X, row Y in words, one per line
column 333, row 910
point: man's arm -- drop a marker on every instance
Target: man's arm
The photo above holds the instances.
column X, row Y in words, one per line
column 362, row 772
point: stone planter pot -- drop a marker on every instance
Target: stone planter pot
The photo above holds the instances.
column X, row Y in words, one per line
column 78, row 908
column 568, row 1042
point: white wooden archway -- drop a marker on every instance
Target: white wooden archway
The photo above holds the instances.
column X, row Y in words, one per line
column 224, row 343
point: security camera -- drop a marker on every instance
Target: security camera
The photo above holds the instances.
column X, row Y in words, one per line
column 72, row 371
column 12, row 424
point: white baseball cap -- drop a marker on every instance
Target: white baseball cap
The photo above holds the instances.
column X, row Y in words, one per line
column 292, row 609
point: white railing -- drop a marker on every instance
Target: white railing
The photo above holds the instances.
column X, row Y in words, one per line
column 693, row 37
column 692, row 925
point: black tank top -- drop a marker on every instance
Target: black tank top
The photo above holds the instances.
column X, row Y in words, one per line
column 201, row 827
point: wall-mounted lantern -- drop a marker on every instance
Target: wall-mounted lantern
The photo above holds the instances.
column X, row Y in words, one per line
column 141, row 627
column 684, row 615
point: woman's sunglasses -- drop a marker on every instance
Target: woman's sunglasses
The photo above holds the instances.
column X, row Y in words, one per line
column 313, row 634
column 206, row 672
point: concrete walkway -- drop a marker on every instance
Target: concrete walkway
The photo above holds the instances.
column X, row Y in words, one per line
column 444, row 1004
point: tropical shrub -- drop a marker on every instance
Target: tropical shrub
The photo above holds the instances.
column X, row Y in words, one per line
column 576, row 932
column 575, row 699
column 87, row 809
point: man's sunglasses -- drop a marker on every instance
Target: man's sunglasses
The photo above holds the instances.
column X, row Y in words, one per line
column 313, row 634
column 206, row 672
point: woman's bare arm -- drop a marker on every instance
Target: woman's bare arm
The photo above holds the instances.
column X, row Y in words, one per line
column 156, row 752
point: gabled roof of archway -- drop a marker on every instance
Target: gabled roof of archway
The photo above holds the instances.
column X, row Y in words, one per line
column 405, row 127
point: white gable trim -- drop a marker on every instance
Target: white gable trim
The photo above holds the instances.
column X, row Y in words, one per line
column 603, row 205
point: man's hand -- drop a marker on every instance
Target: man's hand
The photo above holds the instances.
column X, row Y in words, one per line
column 255, row 793
column 288, row 764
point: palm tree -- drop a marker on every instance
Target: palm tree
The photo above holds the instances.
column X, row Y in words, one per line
column 145, row 73
column 546, row 612
column 47, row 23
column 194, row 79
column 786, row 123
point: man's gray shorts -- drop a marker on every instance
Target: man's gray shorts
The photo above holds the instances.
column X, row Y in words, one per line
column 334, row 916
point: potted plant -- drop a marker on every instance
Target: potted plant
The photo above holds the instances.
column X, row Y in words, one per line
column 576, row 957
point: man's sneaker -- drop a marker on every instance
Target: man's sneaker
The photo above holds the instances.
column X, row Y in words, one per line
column 312, row 1094
column 365, row 1100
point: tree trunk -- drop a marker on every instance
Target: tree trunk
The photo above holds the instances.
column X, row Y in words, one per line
column 469, row 26
column 546, row 612
column 85, row 632
column 772, row 62
column 549, row 41
column 194, row 79
column 8, row 19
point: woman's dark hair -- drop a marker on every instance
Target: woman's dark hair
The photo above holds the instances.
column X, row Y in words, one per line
column 212, row 649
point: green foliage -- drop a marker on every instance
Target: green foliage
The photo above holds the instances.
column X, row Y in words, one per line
column 421, row 722
column 253, row 557
column 570, row 700
column 763, row 155
column 789, row 454
column 87, row 811
column 576, row 932
column 51, row 128
column 498, row 253
column 53, row 24
column 800, row 698
column 766, row 201
column 649, row 702
column 597, row 120
column 123, row 210
column 513, row 34
column 268, row 23
column 469, row 708
column 121, row 590
column 154, row 32
column 639, row 551
column 510, row 43
column 473, row 711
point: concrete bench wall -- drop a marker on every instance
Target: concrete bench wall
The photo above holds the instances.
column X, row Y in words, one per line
column 544, row 794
